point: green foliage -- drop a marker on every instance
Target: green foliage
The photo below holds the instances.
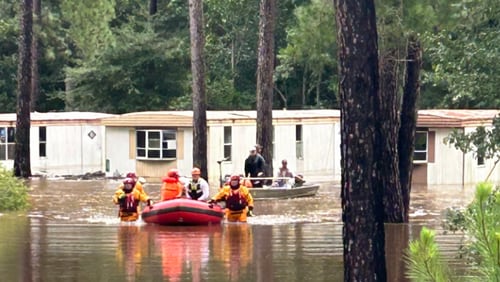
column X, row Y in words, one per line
column 465, row 56
column 89, row 24
column 483, row 225
column 9, row 30
column 454, row 220
column 424, row 259
column 231, row 52
column 13, row 192
column 78, row 37
column 141, row 72
column 481, row 222
column 310, row 55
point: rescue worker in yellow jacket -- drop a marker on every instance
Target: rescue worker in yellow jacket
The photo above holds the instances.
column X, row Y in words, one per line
column 139, row 181
column 139, row 184
column 239, row 201
column 128, row 198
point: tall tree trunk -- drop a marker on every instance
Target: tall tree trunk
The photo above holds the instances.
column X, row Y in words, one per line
column 304, row 87
column 233, row 63
column 22, row 164
column 409, row 114
column 265, row 84
column 387, row 126
column 318, row 90
column 362, row 207
column 35, row 51
column 199, row 95
column 153, row 7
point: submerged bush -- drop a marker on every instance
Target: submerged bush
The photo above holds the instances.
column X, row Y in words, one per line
column 481, row 223
column 13, row 192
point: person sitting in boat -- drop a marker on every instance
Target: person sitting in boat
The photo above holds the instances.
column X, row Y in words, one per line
column 239, row 201
column 128, row 198
column 299, row 180
column 172, row 187
column 245, row 181
column 254, row 167
column 197, row 188
column 283, row 173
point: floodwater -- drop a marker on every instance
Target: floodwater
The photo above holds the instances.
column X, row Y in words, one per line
column 72, row 233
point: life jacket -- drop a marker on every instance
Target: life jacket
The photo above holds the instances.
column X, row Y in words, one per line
column 130, row 204
column 194, row 190
column 170, row 183
column 235, row 201
column 170, row 188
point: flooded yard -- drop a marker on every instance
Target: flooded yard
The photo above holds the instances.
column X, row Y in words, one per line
column 72, row 233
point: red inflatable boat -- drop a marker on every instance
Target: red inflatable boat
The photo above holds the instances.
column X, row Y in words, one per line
column 183, row 212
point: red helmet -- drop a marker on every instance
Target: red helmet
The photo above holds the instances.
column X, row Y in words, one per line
column 128, row 184
column 131, row 175
column 195, row 171
column 173, row 173
column 234, row 181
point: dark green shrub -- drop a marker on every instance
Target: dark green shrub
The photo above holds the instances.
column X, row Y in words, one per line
column 13, row 192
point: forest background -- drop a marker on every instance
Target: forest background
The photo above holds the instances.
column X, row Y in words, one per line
column 117, row 56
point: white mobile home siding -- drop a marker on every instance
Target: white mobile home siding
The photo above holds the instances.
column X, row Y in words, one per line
column 447, row 167
column 474, row 173
column 185, row 156
column 243, row 137
column 319, row 150
column 321, row 155
column 69, row 150
column 118, row 151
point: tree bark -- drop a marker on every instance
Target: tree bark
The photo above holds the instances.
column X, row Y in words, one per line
column 22, row 164
column 153, row 7
column 35, row 51
column 265, row 84
column 362, row 207
column 386, row 144
column 199, row 95
column 409, row 114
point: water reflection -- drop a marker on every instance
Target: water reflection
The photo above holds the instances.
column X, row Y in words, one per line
column 234, row 248
column 129, row 252
column 72, row 233
column 184, row 250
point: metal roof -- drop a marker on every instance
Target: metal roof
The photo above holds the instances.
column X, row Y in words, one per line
column 185, row 118
column 56, row 118
column 426, row 118
column 455, row 118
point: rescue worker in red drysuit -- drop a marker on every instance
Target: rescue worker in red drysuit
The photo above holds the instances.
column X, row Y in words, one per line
column 128, row 198
column 139, row 184
column 239, row 201
column 172, row 187
column 139, row 181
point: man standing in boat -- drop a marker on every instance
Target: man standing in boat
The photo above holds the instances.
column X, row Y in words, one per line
column 254, row 167
column 128, row 198
column 239, row 201
column 197, row 188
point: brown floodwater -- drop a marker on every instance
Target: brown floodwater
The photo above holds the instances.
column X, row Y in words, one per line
column 72, row 233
